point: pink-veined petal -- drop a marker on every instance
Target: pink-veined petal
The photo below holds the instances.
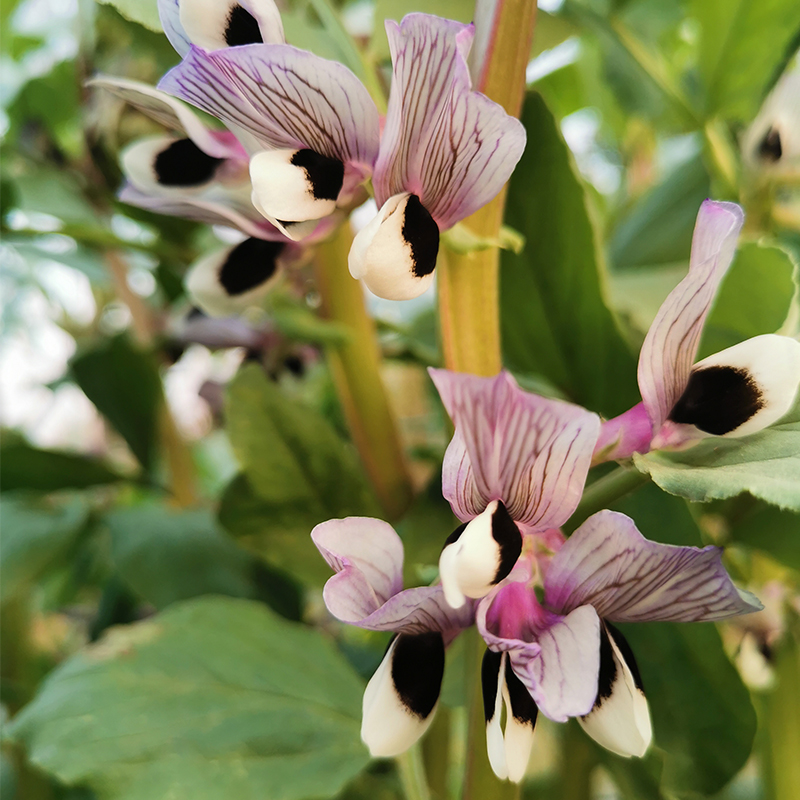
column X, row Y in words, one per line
column 556, row 657
column 609, row 564
column 530, row 452
column 216, row 209
column 173, row 114
column 670, row 346
column 287, row 98
column 450, row 146
column 367, row 556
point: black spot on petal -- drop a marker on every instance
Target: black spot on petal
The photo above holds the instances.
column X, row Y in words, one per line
column 523, row 708
column 454, row 536
column 490, row 669
column 417, row 670
column 325, row 175
column 422, row 234
column 718, row 400
column 183, row 163
column 770, row 148
column 608, row 669
column 507, row 535
column 242, row 28
column 627, row 654
column 249, row 264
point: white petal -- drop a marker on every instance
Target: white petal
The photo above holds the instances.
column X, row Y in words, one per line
column 479, row 555
column 214, row 24
column 519, row 742
column 228, row 280
column 743, row 389
column 395, row 255
column 389, row 726
column 495, row 743
column 295, row 185
column 620, row 721
column 159, row 164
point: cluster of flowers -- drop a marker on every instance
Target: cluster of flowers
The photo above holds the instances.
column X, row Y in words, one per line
column 514, row 473
column 303, row 137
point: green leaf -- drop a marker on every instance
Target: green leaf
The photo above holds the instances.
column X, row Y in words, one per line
column 26, row 467
column 742, row 44
column 766, row 464
column 278, row 532
column 167, row 555
column 297, row 472
column 769, row 529
column 555, row 321
column 691, row 685
column 123, row 382
column 145, row 12
column 657, row 229
column 754, row 298
column 213, row 699
column 35, row 535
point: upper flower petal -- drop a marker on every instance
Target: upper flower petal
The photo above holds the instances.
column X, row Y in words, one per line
column 174, row 114
column 450, row 146
column 609, row 564
column 170, row 13
column 216, row 24
column 285, row 97
column 671, row 343
column 530, row 452
column 367, row 556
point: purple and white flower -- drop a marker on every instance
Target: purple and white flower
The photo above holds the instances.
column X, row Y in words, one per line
column 202, row 174
column 309, row 125
column 367, row 590
column 733, row 393
column 446, row 151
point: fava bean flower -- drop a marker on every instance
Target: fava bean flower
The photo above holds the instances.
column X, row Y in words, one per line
column 202, row 174
column 445, row 152
column 733, row 393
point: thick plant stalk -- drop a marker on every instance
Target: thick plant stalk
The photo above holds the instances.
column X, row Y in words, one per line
column 470, row 314
column 355, row 366
column 468, row 285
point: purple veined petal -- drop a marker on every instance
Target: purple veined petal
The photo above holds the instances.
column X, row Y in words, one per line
column 367, row 556
column 170, row 13
column 530, row 452
column 556, row 657
column 609, row 564
column 217, row 24
column 173, row 114
column 670, row 346
column 450, row 146
column 217, row 210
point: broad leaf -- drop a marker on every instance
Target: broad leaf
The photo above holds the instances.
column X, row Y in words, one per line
column 742, row 44
column 26, row 467
column 145, row 12
column 35, row 534
column 766, row 464
column 123, row 382
column 168, row 555
column 555, row 320
column 297, row 471
column 214, row 698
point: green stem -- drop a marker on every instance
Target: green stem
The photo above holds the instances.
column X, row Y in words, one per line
column 469, row 297
column 578, row 759
column 604, row 492
column 436, row 754
column 355, row 367
column 412, row 774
